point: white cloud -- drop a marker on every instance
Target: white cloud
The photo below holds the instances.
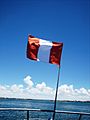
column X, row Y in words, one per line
column 67, row 92
column 65, row 89
column 84, row 91
column 2, row 88
column 41, row 86
column 16, row 88
column 89, row 91
column 28, row 81
column 45, row 89
column 42, row 91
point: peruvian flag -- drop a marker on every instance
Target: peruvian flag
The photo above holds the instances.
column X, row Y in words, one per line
column 45, row 51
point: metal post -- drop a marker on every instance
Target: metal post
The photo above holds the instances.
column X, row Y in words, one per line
column 27, row 114
column 80, row 117
column 56, row 93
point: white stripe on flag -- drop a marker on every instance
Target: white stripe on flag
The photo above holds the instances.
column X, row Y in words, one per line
column 44, row 50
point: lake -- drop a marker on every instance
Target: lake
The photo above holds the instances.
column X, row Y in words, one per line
column 44, row 105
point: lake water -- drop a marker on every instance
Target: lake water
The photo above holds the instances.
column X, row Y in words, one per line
column 44, row 105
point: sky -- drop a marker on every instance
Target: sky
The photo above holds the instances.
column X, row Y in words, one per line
column 66, row 21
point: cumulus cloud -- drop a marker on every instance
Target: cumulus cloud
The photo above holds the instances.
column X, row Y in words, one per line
column 28, row 81
column 16, row 88
column 45, row 89
column 67, row 92
column 41, row 91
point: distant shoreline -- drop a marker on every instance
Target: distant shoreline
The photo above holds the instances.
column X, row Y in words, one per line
column 43, row 99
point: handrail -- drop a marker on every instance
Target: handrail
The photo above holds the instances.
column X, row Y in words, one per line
column 40, row 110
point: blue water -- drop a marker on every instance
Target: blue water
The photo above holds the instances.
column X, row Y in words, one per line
column 45, row 105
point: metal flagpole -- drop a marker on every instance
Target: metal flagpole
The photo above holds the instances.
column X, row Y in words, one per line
column 56, row 94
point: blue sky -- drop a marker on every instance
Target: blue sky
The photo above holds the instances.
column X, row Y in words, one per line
column 66, row 21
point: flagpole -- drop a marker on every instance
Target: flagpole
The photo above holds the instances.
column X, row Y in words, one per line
column 56, row 93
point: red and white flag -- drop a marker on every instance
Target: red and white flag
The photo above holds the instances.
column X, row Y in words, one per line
column 45, row 51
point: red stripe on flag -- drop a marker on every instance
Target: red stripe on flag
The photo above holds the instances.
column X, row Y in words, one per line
column 55, row 53
column 32, row 47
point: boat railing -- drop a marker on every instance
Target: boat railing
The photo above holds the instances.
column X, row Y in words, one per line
column 40, row 110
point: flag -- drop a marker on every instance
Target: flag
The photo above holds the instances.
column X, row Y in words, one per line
column 43, row 50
